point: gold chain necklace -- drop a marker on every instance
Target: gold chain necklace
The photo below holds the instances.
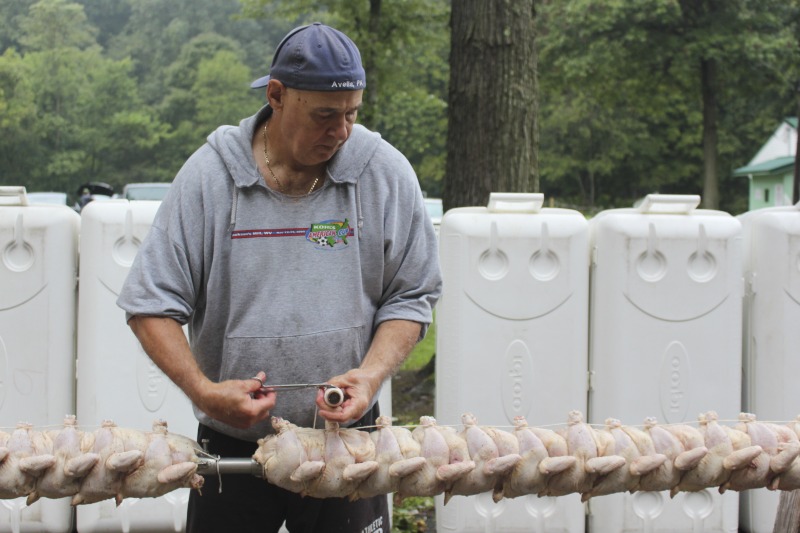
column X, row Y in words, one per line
column 266, row 160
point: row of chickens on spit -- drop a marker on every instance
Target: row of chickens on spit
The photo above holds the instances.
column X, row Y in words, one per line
column 430, row 459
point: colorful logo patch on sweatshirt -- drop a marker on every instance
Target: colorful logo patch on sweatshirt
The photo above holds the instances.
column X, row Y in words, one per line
column 329, row 233
column 325, row 235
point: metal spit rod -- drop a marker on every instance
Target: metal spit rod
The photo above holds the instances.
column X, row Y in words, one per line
column 235, row 465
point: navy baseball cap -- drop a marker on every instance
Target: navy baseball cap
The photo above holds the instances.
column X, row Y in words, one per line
column 316, row 58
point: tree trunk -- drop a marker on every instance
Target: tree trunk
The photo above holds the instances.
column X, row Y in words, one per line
column 708, row 70
column 787, row 519
column 492, row 141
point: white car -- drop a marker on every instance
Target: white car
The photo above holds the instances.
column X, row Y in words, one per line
column 434, row 207
column 145, row 191
column 435, row 211
column 58, row 198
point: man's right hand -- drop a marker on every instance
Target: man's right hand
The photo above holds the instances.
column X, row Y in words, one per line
column 238, row 403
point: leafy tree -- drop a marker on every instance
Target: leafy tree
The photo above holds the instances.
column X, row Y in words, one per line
column 18, row 148
column 10, row 14
column 157, row 31
column 209, row 86
column 53, row 25
column 180, row 103
column 218, row 100
column 642, row 61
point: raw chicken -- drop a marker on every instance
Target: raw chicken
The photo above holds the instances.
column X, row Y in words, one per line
column 119, row 451
column 682, row 453
column 443, row 465
column 322, row 464
column 626, row 479
column 397, row 455
column 789, row 479
column 530, row 474
column 170, row 462
column 349, row 458
column 283, row 456
column 23, row 456
column 114, row 462
column 71, row 464
column 589, row 450
column 715, row 468
column 490, row 465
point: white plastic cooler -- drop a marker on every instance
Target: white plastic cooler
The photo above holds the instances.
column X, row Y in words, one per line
column 38, row 274
column 512, row 340
column 666, row 304
column 116, row 379
column 771, row 334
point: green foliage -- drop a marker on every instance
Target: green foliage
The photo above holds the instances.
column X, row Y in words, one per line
column 408, row 516
column 126, row 90
column 423, row 351
column 54, row 25
column 620, row 87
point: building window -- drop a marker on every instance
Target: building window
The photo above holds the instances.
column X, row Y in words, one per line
column 766, row 195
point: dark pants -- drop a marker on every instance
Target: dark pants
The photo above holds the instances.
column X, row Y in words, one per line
column 250, row 504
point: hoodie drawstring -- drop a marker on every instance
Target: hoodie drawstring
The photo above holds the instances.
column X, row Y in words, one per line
column 359, row 216
column 234, row 202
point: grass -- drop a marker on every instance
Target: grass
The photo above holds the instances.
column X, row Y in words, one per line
column 414, row 514
column 423, row 351
column 410, row 515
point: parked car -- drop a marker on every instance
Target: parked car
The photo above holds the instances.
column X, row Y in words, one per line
column 435, row 211
column 58, row 198
column 434, row 207
column 93, row 190
column 145, row 191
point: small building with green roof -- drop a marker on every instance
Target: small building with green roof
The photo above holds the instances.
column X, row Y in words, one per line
column 771, row 171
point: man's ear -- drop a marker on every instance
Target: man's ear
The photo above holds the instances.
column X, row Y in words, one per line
column 275, row 94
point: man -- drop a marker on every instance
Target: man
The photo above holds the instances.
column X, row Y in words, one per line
column 297, row 248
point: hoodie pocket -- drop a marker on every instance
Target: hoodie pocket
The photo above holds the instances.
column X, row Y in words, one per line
column 313, row 358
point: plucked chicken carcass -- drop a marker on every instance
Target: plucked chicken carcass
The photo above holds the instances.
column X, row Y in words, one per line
column 24, row 454
column 114, row 462
column 591, row 459
column 319, row 463
column 282, row 455
column 398, row 456
column 789, row 479
column 682, row 446
column 625, row 478
column 63, row 478
column 119, row 451
column 169, row 462
column 780, row 447
column 446, row 459
column 543, row 452
column 484, row 447
column 349, row 458
column 715, row 468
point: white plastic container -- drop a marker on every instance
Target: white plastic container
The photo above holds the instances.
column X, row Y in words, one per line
column 666, row 307
column 38, row 273
column 771, row 334
column 116, row 379
column 512, row 340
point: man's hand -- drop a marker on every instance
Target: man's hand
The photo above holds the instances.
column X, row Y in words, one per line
column 359, row 387
column 238, row 403
column 393, row 341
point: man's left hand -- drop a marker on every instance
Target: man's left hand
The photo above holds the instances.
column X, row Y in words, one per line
column 359, row 387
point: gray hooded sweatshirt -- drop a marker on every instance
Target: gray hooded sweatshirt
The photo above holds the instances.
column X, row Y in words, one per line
column 293, row 286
